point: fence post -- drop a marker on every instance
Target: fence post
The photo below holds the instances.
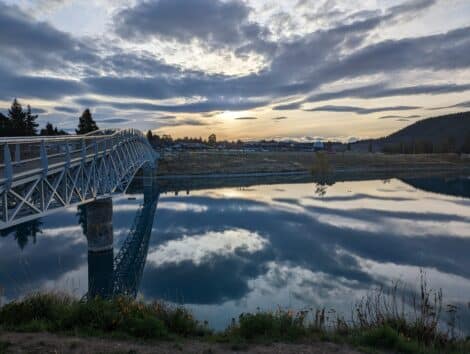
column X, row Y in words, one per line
column 8, row 166
column 44, row 161
column 83, row 150
column 67, row 155
column 17, row 153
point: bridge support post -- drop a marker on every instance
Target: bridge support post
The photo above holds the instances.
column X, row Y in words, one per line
column 99, row 219
column 99, row 227
column 148, row 180
column 101, row 274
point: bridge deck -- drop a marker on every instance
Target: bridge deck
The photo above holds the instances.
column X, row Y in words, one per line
column 38, row 174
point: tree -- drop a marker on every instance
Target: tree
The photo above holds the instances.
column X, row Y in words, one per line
column 82, row 218
column 466, row 144
column 17, row 119
column 150, row 136
column 23, row 232
column 31, row 127
column 86, row 123
column 5, row 125
column 50, row 130
column 212, row 140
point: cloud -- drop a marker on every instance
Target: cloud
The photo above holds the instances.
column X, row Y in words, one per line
column 196, row 107
column 215, row 23
column 38, row 111
column 465, row 104
column 414, row 116
column 289, row 106
column 114, row 120
column 280, row 118
column 359, row 110
column 38, row 45
column 246, row 118
column 65, row 109
column 185, row 121
column 381, row 90
column 37, row 87
column 35, row 54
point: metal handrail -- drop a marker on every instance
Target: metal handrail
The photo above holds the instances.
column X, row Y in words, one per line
column 102, row 133
column 100, row 137
column 40, row 149
column 41, row 174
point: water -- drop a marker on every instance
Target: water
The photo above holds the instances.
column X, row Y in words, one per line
column 230, row 249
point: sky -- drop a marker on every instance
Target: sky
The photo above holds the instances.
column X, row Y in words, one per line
column 242, row 69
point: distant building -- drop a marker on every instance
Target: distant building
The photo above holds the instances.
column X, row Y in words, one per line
column 318, row 146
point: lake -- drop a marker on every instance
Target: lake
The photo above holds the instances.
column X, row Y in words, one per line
column 230, row 246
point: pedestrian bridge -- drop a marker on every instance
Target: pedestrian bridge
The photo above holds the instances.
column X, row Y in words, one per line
column 41, row 174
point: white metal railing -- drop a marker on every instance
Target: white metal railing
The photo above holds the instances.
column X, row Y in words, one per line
column 40, row 173
column 27, row 154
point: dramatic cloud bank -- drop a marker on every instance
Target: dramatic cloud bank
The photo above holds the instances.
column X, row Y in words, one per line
column 224, row 63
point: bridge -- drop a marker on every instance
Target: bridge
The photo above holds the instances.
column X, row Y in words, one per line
column 112, row 275
column 39, row 175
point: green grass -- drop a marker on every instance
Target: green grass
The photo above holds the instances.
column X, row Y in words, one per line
column 382, row 321
column 119, row 317
column 4, row 346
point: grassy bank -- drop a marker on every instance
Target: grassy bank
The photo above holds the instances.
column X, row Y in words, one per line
column 218, row 162
column 387, row 320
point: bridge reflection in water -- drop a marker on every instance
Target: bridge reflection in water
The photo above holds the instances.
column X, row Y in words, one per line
column 110, row 275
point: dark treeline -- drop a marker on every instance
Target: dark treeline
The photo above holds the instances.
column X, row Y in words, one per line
column 160, row 141
column 446, row 145
column 443, row 134
column 24, row 233
column 22, row 122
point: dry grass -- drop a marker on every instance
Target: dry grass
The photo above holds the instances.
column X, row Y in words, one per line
column 224, row 163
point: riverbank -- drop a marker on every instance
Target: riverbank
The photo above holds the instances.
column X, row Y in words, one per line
column 219, row 163
column 14, row 342
column 385, row 321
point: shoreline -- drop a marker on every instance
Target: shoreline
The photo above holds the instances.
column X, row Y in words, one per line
column 50, row 322
column 188, row 165
column 304, row 173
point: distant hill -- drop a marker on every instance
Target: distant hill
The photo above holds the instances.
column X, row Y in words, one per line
column 455, row 125
column 448, row 133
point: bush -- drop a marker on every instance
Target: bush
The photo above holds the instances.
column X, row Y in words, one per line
column 53, row 312
column 148, row 327
column 279, row 325
column 36, row 307
column 388, row 338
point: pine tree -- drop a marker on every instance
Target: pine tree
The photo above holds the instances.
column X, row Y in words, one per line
column 48, row 130
column 212, row 139
column 466, row 144
column 31, row 127
column 17, row 118
column 5, row 125
column 86, row 123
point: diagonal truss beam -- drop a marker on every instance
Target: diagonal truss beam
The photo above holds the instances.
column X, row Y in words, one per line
column 67, row 171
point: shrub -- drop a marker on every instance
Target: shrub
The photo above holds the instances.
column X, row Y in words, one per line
column 278, row 325
column 53, row 312
column 388, row 338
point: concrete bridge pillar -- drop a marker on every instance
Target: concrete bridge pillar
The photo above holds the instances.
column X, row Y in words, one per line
column 99, row 219
column 99, row 226
column 148, row 181
column 101, row 274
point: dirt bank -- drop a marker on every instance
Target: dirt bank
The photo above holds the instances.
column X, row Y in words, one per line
column 51, row 343
column 193, row 163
